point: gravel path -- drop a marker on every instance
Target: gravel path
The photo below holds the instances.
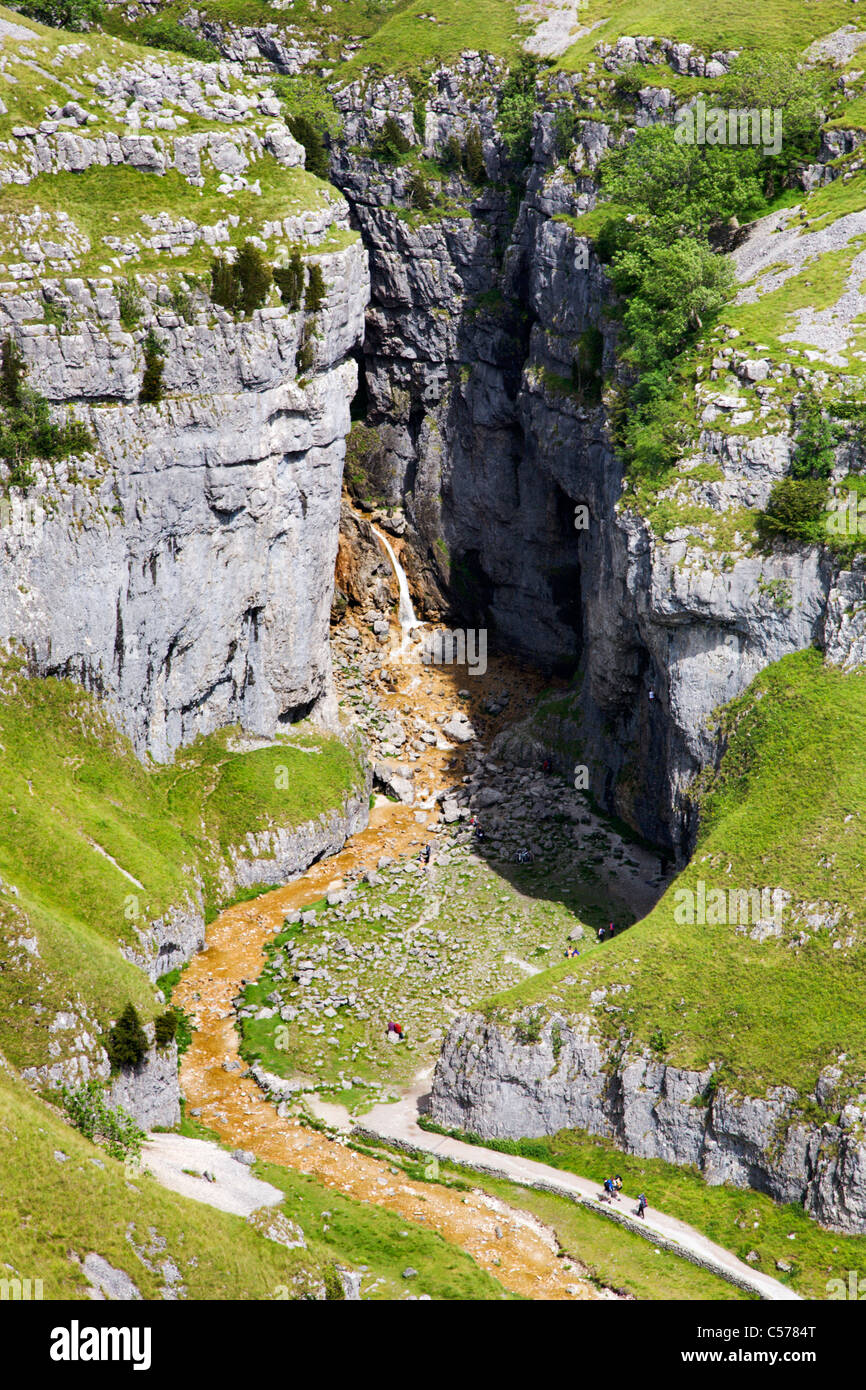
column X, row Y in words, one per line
column 398, row 1124
column 180, row 1163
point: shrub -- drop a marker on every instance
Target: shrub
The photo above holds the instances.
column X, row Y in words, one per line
column 129, row 302
column 563, row 132
column 586, row 367
column 127, row 1044
column 307, row 96
column 310, row 137
column 254, row 278
column 390, row 144
column 75, row 15
column 166, row 1028
column 517, row 107
column 87, row 1109
column 814, row 454
column 243, row 286
column 473, row 156
column 419, row 192
column 290, row 281
column 223, row 285
column 304, row 357
column 673, row 289
column 628, row 82
column 27, row 431
column 154, row 363
column 315, row 296
column 168, row 34
column 452, row 155
column 334, row 1290
column 794, row 510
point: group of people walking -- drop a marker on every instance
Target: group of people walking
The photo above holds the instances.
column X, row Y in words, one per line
column 612, row 1188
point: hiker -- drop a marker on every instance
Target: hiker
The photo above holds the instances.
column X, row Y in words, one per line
column 546, row 766
column 608, row 1186
column 600, row 933
column 641, row 1207
column 426, row 854
column 610, row 929
column 617, row 1182
column 652, row 694
column 479, row 833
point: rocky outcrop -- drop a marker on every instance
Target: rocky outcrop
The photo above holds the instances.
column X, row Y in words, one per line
column 276, row 856
column 508, row 1081
column 150, row 1092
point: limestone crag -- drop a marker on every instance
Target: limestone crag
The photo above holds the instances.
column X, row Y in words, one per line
column 197, row 542
column 493, row 1081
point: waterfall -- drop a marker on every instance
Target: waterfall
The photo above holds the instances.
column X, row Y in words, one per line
column 405, row 611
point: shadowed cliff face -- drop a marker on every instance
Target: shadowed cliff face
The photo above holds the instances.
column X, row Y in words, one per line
column 491, row 442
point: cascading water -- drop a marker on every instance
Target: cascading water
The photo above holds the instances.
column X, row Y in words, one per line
column 405, row 611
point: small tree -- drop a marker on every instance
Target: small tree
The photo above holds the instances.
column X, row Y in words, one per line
column 315, row 296
column 127, row 1044
column 166, row 1028
column 253, row 277
column 223, row 286
column 306, row 134
column 473, row 159
column 290, row 281
column 390, row 144
column 154, row 363
column 419, row 192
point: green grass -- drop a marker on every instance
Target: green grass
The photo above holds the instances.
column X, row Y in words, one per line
column 384, row 1241
column 411, row 39
column 788, row 810
column 70, row 781
column 782, row 25
column 50, row 1209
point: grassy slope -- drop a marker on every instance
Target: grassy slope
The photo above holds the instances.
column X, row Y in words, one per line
column 68, row 780
column 51, row 1208
column 778, row 24
column 788, row 809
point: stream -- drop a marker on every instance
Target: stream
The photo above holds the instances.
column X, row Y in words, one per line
column 513, row 1246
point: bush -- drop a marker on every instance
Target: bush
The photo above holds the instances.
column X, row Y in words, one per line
column 129, row 302
column 473, row 156
column 390, row 144
column 586, row 367
column 673, row 289
column 628, row 82
column 419, row 192
column 452, row 155
column 795, row 510
column 27, row 431
column 254, row 278
column 290, row 281
column 243, row 286
column 307, row 96
column 315, row 296
column 166, row 1028
column 75, row 15
column 154, row 363
column 127, row 1044
column 814, row 454
column 87, row 1109
column 304, row 357
column 310, row 137
column 517, row 107
column 168, row 34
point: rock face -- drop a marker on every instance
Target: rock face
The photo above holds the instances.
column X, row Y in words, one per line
column 150, row 1092
column 184, row 571
column 512, row 491
column 492, row 1083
